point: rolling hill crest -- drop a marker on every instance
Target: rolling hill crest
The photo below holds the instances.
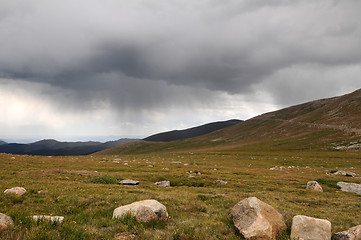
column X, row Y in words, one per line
column 330, row 123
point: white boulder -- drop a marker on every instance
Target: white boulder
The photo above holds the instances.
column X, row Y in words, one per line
column 16, row 190
column 256, row 219
column 313, row 185
column 308, row 228
column 144, row 211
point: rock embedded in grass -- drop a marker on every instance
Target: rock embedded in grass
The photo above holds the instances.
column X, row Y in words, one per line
column 353, row 233
column 16, row 190
column 350, row 187
column 256, row 219
column 125, row 236
column 163, row 183
column 221, row 182
column 345, row 173
column 42, row 192
column 53, row 219
column 313, row 185
column 304, row 227
column 5, row 221
column 129, row 182
column 144, row 211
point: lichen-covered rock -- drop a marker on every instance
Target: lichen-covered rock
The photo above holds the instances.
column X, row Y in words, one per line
column 256, row 219
column 350, row 187
column 313, row 185
column 308, row 228
column 163, row 183
column 144, row 211
column 353, row 233
column 16, row 190
column 53, row 219
column 5, row 221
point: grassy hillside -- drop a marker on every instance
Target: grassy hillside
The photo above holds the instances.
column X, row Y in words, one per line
column 191, row 132
column 321, row 124
column 83, row 189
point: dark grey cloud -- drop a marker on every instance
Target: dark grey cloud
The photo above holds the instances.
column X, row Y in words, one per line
column 138, row 55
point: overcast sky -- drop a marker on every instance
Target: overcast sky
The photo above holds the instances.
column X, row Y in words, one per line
column 73, row 70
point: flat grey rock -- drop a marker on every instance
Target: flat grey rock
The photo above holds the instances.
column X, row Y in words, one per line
column 350, row 187
column 345, row 173
column 129, row 182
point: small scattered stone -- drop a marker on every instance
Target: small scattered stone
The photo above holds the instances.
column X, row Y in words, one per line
column 313, row 185
column 53, row 219
column 345, row 173
column 304, row 227
column 163, row 183
column 350, row 187
column 43, row 192
column 221, row 182
column 353, row 233
column 16, row 190
column 256, row 219
column 5, row 222
column 129, row 182
column 144, row 211
column 125, row 236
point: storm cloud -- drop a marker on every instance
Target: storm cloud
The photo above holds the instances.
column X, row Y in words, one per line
column 135, row 56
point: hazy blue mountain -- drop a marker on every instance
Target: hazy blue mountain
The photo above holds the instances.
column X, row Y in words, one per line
column 50, row 147
column 191, row 132
column 2, row 142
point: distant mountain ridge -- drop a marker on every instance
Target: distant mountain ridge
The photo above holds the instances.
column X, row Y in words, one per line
column 191, row 132
column 322, row 124
column 51, row 147
column 2, row 142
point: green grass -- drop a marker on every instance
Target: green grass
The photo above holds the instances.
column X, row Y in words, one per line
column 106, row 179
column 329, row 182
column 84, row 191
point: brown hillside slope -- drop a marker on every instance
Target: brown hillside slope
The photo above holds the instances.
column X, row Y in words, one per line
column 320, row 124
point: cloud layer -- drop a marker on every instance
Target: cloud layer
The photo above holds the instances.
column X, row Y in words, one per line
column 142, row 58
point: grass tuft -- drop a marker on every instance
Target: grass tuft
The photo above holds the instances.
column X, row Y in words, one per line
column 329, row 182
column 106, row 179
